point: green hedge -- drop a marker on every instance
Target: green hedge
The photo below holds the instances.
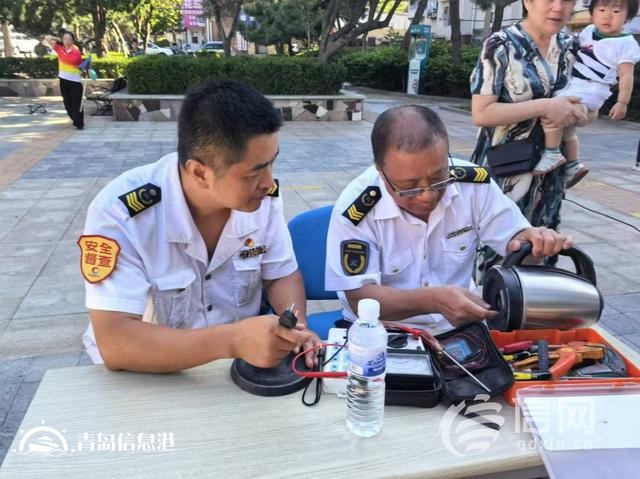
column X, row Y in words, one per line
column 271, row 75
column 446, row 78
column 47, row 67
column 381, row 67
column 386, row 68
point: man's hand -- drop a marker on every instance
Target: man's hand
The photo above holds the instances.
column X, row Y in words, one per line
column 262, row 342
column 618, row 111
column 311, row 358
column 544, row 241
column 459, row 305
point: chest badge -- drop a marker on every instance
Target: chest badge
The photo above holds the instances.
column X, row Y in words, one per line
column 459, row 232
column 252, row 250
column 99, row 256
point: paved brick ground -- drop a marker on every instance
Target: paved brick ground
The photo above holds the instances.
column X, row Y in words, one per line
column 49, row 173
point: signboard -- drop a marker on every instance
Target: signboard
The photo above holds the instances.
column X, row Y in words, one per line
column 192, row 14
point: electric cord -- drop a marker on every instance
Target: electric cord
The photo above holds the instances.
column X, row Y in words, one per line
column 602, row 214
column 318, row 379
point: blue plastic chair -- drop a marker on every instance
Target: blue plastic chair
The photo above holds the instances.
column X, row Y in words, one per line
column 309, row 234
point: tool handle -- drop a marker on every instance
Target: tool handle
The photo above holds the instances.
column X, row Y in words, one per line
column 566, row 360
column 516, row 347
column 543, row 356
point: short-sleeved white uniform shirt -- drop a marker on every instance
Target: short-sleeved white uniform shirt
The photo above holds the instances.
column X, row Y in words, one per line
column 163, row 271
column 406, row 252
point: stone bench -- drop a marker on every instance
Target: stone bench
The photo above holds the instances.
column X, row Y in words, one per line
column 133, row 107
column 45, row 86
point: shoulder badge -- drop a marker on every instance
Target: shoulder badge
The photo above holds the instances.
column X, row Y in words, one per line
column 275, row 189
column 355, row 256
column 362, row 205
column 141, row 198
column 470, row 174
column 98, row 258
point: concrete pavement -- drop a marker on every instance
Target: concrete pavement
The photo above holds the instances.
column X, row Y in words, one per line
column 49, row 172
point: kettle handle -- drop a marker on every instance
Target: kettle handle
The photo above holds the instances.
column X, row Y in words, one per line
column 582, row 262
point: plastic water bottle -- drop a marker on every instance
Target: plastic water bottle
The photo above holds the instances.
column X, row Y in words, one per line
column 365, row 376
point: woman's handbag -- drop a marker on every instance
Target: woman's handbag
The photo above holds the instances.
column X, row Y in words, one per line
column 516, row 157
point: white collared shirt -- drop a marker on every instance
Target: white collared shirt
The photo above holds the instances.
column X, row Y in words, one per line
column 405, row 252
column 163, row 271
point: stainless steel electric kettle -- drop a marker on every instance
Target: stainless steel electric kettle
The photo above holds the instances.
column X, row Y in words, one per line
column 543, row 297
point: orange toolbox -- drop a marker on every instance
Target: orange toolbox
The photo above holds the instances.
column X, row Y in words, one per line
column 556, row 336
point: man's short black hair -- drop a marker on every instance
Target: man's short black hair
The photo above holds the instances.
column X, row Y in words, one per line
column 217, row 120
column 632, row 6
column 410, row 128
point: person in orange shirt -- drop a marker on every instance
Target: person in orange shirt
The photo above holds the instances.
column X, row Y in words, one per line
column 69, row 60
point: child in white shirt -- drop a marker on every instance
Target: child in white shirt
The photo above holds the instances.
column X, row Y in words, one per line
column 606, row 54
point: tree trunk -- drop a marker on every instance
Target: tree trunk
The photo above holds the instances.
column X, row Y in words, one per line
column 456, row 35
column 486, row 27
column 420, row 8
column 8, row 44
column 99, row 17
column 497, row 18
column 120, row 37
column 232, row 31
column 335, row 36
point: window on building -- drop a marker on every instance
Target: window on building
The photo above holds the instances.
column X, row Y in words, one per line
column 446, row 20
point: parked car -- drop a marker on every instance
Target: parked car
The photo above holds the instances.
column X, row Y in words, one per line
column 23, row 46
column 153, row 49
column 215, row 47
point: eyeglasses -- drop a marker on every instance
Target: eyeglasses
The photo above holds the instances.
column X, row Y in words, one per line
column 413, row 192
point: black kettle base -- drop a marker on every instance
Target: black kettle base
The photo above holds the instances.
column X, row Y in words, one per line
column 277, row 381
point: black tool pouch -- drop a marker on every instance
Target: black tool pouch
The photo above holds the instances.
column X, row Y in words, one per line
column 473, row 347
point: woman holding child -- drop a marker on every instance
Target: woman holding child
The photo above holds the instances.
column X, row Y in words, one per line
column 512, row 85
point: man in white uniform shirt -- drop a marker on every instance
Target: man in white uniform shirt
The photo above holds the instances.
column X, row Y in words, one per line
column 175, row 254
column 405, row 231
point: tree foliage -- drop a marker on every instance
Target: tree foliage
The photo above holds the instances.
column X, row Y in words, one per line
column 278, row 22
column 220, row 9
column 152, row 17
column 346, row 20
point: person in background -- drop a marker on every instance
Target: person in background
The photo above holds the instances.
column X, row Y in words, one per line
column 69, row 60
column 134, row 49
column 607, row 56
column 519, row 69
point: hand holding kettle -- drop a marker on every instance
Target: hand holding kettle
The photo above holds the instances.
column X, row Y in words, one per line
column 544, row 241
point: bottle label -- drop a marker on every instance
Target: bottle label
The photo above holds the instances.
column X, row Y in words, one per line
column 367, row 362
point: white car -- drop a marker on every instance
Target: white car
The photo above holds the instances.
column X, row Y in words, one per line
column 23, row 46
column 153, row 49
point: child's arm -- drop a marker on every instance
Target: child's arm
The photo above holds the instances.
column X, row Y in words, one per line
column 625, row 76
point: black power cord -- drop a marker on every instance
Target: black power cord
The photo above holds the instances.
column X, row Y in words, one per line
column 603, row 214
column 321, row 364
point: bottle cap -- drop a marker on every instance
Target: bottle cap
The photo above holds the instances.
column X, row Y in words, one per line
column 368, row 309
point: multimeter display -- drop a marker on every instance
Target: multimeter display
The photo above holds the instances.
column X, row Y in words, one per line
column 459, row 349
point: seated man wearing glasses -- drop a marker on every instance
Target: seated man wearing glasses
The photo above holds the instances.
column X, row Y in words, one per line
column 405, row 231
